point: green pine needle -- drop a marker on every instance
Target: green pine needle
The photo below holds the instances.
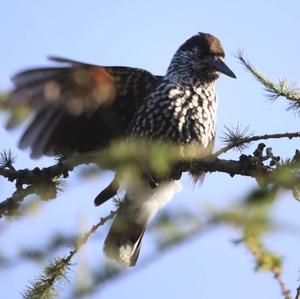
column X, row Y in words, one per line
column 45, row 286
column 275, row 90
column 117, row 202
column 7, row 158
column 60, row 184
column 235, row 136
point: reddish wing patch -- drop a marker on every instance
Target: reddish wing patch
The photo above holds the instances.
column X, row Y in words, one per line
column 79, row 107
column 104, row 87
column 91, row 88
column 99, row 75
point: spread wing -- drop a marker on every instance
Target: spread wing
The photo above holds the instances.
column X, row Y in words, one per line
column 79, row 106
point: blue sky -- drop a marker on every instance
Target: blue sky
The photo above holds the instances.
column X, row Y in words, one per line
column 146, row 34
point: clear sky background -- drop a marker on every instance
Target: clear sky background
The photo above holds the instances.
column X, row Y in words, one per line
column 146, row 34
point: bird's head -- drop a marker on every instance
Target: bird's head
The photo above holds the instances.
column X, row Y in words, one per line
column 202, row 56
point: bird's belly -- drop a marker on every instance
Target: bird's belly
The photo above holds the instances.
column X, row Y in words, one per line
column 144, row 202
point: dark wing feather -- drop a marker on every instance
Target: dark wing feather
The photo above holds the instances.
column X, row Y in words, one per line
column 79, row 107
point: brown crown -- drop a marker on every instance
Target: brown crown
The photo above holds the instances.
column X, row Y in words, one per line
column 209, row 44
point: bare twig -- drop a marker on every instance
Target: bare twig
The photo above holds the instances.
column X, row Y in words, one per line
column 103, row 278
column 286, row 293
column 9, row 207
column 45, row 285
column 82, row 240
column 298, row 293
column 37, row 175
column 255, row 138
column 272, row 266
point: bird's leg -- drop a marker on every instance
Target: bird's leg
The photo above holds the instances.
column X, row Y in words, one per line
column 176, row 173
column 152, row 179
column 107, row 193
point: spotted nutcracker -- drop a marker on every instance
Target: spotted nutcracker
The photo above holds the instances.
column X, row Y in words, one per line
column 82, row 107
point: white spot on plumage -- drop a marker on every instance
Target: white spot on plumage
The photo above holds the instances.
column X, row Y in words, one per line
column 177, row 109
column 195, row 99
column 174, row 92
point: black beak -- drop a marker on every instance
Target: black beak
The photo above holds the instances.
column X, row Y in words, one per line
column 220, row 66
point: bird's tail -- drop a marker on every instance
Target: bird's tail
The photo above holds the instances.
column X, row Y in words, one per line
column 141, row 203
column 124, row 238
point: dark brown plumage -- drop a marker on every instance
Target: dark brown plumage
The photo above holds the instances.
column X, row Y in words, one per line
column 208, row 43
column 81, row 107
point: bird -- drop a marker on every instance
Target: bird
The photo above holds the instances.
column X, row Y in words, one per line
column 80, row 107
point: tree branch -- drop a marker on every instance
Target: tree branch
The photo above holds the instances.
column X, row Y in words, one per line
column 251, row 166
column 9, row 207
column 298, row 293
column 286, row 293
column 45, row 285
column 63, row 167
column 246, row 167
column 256, row 138
column 282, row 88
